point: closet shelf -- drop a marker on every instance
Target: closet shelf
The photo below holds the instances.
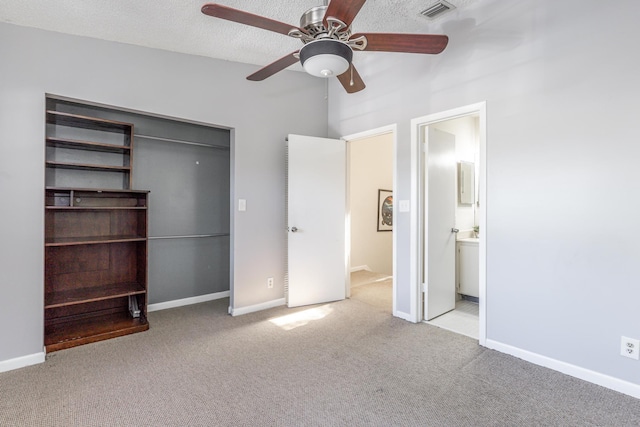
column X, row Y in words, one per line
column 87, row 145
column 94, row 208
column 91, row 294
column 91, row 240
column 76, row 331
column 75, row 120
column 85, row 166
column 95, row 190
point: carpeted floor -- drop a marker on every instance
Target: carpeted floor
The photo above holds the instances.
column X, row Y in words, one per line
column 373, row 288
column 376, row 288
column 342, row 364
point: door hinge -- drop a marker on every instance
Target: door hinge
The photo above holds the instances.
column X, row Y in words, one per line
column 423, row 287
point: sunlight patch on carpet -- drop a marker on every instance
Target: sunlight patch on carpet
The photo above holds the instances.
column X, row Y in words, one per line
column 301, row 318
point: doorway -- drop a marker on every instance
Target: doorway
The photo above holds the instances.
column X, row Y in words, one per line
column 467, row 215
column 320, row 166
column 371, row 187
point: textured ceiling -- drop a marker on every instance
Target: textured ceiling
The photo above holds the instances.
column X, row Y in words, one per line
column 178, row 25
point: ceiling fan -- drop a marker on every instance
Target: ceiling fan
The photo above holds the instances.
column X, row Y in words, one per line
column 328, row 40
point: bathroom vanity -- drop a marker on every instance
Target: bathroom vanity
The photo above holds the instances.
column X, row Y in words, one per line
column 467, row 261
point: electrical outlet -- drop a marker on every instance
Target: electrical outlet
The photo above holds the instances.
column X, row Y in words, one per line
column 270, row 283
column 630, row 348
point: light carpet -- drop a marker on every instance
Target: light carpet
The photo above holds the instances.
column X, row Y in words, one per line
column 348, row 363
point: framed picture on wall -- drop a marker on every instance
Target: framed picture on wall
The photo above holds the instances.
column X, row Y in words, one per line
column 385, row 210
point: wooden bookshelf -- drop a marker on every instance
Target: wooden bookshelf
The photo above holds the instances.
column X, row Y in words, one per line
column 95, row 260
column 112, row 141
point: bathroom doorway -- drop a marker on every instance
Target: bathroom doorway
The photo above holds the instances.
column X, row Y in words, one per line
column 464, row 308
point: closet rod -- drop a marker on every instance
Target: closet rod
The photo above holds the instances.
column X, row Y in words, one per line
column 190, row 236
column 179, row 141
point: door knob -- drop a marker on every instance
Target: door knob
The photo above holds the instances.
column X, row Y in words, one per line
column 294, row 229
column 454, row 230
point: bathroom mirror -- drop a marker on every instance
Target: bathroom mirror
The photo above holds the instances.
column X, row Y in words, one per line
column 466, row 183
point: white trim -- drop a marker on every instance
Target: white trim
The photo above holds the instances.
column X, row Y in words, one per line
column 415, row 254
column 393, row 129
column 371, row 133
column 415, row 226
column 232, row 214
column 360, row 268
column 404, row 316
column 257, row 307
column 187, row 301
column 482, row 223
column 594, row 377
column 22, row 361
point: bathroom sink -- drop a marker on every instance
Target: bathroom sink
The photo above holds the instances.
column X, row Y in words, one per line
column 469, row 239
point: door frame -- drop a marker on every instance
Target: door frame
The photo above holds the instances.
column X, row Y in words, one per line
column 416, row 213
column 393, row 130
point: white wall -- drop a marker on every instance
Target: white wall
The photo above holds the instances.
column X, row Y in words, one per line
column 36, row 62
column 371, row 169
column 562, row 186
column 465, row 130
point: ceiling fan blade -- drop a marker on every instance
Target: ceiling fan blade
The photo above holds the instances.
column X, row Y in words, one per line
column 274, row 67
column 235, row 15
column 351, row 80
column 344, row 10
column 410, row 43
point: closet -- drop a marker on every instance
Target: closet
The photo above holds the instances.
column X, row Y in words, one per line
column 136, row 213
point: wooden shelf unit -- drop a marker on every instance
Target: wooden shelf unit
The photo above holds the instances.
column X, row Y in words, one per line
column 95, row 260
column 123, row 150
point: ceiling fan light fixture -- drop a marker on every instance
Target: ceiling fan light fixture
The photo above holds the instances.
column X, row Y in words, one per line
column 326, row 57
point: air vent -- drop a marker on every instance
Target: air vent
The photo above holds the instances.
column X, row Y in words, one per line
column 437, row 9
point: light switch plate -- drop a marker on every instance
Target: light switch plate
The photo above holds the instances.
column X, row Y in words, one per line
column 242, row 205
column 405, row 206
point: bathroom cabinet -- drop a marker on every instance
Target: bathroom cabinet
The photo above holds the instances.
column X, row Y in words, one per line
column 468, row 272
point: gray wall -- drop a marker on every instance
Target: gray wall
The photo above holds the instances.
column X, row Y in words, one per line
column 561, row 85
column 36, row 62
column 189, row 196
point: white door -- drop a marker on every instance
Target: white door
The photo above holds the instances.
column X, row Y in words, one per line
column 317, row 212
column 440, row 213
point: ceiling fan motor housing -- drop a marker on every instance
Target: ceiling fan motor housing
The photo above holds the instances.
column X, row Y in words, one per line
column 311, row 20
column 326, row 57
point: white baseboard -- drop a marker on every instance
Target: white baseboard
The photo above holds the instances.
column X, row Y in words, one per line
column 404, row 316
column 594, row 377
column 21, row 362
column 360, row 268
column 187, row 301
column 257, row 307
